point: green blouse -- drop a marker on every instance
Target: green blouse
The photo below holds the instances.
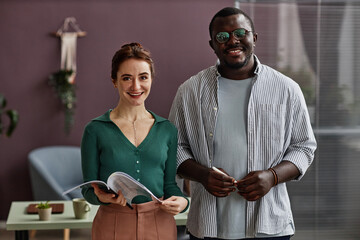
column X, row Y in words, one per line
column 105, row 149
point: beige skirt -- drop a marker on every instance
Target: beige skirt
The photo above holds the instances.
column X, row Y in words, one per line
column 145, row 222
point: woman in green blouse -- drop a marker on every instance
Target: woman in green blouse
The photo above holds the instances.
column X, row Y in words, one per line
column 132, row 139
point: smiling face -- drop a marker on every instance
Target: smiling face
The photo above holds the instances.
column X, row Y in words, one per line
column 234, row 55
column 133, row 81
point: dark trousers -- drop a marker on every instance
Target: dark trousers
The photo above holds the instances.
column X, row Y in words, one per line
column 271, row 238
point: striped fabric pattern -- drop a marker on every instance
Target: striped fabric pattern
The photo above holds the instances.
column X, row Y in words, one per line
column 278, row 128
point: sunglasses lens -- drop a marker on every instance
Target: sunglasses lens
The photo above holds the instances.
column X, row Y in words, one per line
column 240, row 33
column 222, row 37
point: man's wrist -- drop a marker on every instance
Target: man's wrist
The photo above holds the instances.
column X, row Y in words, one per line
column 276, row 179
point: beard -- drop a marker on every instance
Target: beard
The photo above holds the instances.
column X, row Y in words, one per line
column 238, row 65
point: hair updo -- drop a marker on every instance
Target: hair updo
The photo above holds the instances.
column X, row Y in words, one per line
column 128, row 51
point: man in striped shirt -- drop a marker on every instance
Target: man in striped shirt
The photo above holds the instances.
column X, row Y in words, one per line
column 249, row 121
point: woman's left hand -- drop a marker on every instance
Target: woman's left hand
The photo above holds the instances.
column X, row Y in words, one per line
column 174, row 205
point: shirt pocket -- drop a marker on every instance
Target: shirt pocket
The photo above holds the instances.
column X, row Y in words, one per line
column 269, row 125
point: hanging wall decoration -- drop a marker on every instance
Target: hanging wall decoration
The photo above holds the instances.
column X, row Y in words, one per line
column 63, row 81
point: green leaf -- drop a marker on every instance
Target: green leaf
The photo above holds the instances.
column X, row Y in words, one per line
column 2, row 101
column 14, row 118
column 43, row 205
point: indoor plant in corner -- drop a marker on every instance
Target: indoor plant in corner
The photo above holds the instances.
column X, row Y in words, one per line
column 44, row 210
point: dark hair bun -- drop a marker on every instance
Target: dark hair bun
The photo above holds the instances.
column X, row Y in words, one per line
column 130, row 50
column 133, row 44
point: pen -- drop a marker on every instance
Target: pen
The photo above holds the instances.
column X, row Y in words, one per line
column 219, row 171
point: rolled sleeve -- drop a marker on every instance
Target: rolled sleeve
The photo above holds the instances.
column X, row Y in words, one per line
column 302, row 147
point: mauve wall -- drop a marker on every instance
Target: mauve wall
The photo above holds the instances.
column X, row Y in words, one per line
column 176, row 32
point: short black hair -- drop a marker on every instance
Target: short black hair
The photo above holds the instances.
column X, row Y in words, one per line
column 228, row 11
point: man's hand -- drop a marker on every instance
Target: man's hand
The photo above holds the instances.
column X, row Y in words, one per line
column 255, row 185
column 106, row 197
column 258, row 183
column 218, row 184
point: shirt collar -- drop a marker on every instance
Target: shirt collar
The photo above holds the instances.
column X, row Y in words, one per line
column 256, row 72
column 106, row 117
column 258, row 65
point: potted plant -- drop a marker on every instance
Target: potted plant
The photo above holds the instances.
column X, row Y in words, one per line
column 12, row 115
column 44, row 210
column 63, row 82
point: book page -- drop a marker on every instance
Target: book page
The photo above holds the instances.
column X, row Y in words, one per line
column 101, row 184
column 129, row 187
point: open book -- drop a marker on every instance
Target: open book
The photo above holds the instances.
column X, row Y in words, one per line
column 129, row 187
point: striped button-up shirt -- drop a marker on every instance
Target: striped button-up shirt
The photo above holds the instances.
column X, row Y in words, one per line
column 278, row 128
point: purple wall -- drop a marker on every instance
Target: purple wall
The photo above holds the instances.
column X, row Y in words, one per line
column 176, row 32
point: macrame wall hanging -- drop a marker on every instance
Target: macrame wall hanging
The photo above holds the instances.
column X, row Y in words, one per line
column 63, row 81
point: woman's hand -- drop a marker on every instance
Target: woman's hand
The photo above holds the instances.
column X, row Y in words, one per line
column 106, row 197
column 174, row 205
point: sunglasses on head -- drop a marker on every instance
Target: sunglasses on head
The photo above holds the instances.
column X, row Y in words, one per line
column 223, row 37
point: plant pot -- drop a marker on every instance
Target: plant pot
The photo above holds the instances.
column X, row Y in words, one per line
column 45, row 214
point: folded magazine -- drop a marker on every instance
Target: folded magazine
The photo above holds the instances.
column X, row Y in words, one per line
column 129, row 187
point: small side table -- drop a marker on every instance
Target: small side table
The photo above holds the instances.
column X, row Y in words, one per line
column 20, row 221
